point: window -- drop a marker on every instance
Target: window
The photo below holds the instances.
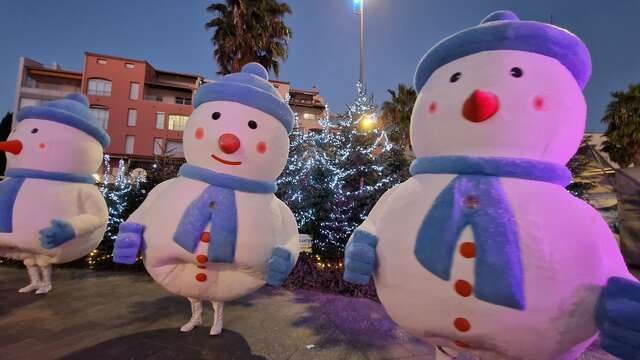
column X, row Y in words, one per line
column 157, row 146
column 183, row 100
column 174, row 148
column 102, row 114
column 100, row 87
column 309, row 116
column 177, row 122
column 101, row 61
column 133, row 91
column 131, row 119
column 129, row 65
column 129, row 143
column 29, row 102
column 160, row 120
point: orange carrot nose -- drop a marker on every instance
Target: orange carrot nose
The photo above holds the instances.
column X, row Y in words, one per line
column 480, row 106
column 13, row 146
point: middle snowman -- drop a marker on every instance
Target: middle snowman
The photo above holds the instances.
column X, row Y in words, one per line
column 217, row 232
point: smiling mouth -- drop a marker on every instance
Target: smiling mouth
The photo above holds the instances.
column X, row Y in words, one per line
column 226, row 162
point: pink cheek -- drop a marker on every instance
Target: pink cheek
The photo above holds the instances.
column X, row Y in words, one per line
column 261, row 147
column 538, row 103
column 433, row 107
column 42, row 146
column 199, row 133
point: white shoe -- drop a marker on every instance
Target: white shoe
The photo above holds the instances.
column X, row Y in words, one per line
column 216, row 329
column 44, row 289
column 191, row 325
column 30, row 288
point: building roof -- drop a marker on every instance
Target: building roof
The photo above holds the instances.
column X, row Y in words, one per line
column 142, row 61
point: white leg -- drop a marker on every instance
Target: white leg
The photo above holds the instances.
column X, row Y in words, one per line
column 34, row 277
column 46, row 280
column 218, row 314
column 196, row 315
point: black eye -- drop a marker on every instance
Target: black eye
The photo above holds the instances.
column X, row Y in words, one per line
column 455, row 77
column 252, row 124
column 215, row 116
column 516, row 72
column 34, row 130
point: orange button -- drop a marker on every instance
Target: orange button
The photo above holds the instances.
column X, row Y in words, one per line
column 462, row 324
column 202, row 258
column 462, row 344
column 201, row 277
column 463, row 288
column 205, row 237
column 468, row 250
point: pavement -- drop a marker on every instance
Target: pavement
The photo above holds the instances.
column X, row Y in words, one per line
column 125, row 315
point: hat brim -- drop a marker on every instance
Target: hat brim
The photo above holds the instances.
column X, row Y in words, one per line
column 529, row 36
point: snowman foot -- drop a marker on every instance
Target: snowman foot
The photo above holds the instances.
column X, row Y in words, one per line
column 196, row 316
column 46, row 280
column 218, row 314
column 34, row 276
column 44, row 289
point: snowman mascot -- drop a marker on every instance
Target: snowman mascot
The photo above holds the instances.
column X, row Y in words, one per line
column 50, row 210
column 483, row 250
column 217, row 232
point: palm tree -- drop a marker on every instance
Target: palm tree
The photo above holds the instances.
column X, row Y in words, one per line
column 396, row 114
column 247, row 31
column 623, row 132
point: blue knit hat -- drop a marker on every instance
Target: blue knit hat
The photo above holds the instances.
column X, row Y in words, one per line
column 503, row 30
column 73, row 110
column 249, row 87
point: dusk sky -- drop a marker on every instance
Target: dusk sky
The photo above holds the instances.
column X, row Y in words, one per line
column 324, row 51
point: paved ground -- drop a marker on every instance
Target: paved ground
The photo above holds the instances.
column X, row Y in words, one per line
column 117, row 315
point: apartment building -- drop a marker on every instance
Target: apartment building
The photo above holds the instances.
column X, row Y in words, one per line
column 143, row 109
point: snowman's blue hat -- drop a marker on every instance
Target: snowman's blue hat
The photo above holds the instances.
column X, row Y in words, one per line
column 73, row 111
column 503, row 30
column 249, row 87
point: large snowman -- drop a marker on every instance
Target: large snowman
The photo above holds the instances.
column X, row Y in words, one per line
column 483, row 250
column 50, row 210
column 217, row 232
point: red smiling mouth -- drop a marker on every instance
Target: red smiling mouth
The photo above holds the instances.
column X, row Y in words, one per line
column 226, row 162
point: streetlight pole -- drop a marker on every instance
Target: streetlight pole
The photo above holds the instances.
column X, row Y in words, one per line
column 362, row 42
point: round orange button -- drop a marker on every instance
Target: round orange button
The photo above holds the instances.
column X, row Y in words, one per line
column 462, row 344
column 463, row 288
column 468, row 250
column 462, row 324
column 202, row 258
column 205, row 237
column 201, row 277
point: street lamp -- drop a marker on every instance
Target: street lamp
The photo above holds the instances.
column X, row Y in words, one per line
column 368, row 121
column 358, row 8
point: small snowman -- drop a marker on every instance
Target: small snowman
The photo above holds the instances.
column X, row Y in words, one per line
column 50, row 210
column 217, row 232
column 483, row 250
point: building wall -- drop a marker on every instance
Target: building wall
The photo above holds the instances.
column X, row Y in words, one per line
column 119, row 103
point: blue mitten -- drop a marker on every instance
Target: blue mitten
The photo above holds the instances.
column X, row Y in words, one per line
column 279, row 266
column 618, row 318
column 57, row 234
column 360, row 258
column 128, row 243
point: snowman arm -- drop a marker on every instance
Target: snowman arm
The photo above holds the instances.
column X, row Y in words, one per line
column 360, row 260
column 139, row 215
column 284, row 256
column 95, row 214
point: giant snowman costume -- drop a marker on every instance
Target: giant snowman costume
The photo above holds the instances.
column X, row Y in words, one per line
column 50, row 210
column 483, row 250
column 217, row 232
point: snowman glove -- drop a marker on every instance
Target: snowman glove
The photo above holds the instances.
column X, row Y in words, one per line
column 618, row 318
column 128, row 243
column 360, row 258
column 57, row 234
column 279, row 266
